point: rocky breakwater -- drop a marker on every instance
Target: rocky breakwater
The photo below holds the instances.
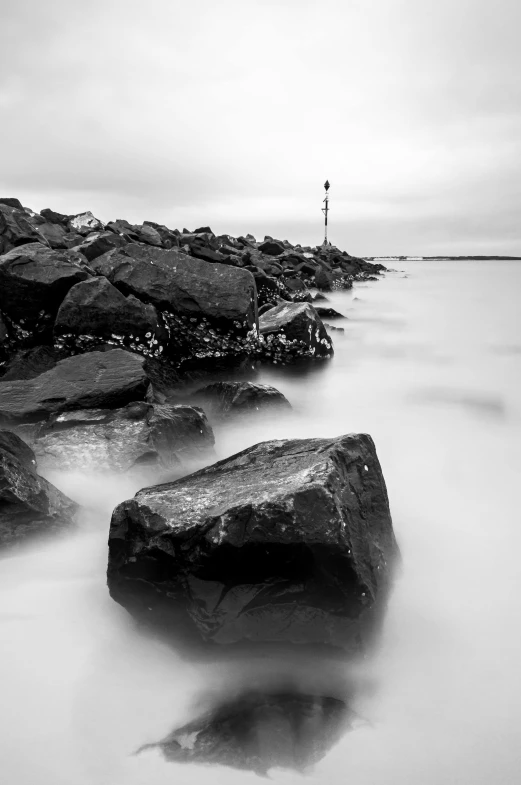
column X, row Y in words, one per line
column 286, row 541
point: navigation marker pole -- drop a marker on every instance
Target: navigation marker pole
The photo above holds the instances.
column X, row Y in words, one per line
column 325, row 210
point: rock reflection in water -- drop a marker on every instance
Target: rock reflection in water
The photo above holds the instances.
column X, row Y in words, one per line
column 258, row 731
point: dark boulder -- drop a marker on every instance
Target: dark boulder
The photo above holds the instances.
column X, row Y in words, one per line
column 292, row 331
column 54, row 235
column 271, row 248
column 33, row 282
column 29, row 505
column 148, row 234
column 93, row 380
column 138, row 436
column 324, row 279
column 16, row 229
column 100, row 244
column 328, row 313
column 95, row 312
column 55, row 218
column 222, row 400
column 286, row 541
column 203, row 230
column 257, row 731
column 209, row 309
column 11, row 201
column 28, row 363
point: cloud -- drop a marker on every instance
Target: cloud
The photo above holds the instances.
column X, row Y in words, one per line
column 235, row 113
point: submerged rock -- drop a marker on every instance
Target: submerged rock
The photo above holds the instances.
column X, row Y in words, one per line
column 223, row 400
column 138, row 435
column 93, row 380
column 286, row 541
column 29, row 505
column 259, row 731
column 291, row 331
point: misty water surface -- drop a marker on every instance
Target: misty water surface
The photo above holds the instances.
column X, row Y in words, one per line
column 430, row 366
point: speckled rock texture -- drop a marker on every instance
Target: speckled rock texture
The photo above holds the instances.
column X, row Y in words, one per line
column 95, row 312
column 94, row 380
column 29, row 505
column 286, row 541
column 258, row 731
column 293, row 331
column 208, row 309
column 225, row 400
column 138, row 436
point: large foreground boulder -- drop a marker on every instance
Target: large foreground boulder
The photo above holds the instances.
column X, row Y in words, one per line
column 224, row 400
column 292, row 331
column 93, row 380
column 138, row 436
column 29, row 505
column 286, row 541
column 258, row 731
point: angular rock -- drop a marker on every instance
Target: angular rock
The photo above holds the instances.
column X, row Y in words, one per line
column 138, row 435
column 223, row 400
column 33, row 282
column 28, row 363
column 93, row 380
column 95, row 312
column 10, row 201
column 29, row 505
column 328, row 313
column 286, row 541
column 210, row 309
column 84, row 223
column 15, row 229
column 147, row 234
column 55, row 218
column 291, row 331
column 272, row 248
column 100, row 244
column 54, row 234
column 258, row 731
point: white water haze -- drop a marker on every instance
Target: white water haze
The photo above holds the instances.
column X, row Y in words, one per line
column 430, row 366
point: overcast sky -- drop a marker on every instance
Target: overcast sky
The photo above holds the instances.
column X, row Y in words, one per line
column 234, row 113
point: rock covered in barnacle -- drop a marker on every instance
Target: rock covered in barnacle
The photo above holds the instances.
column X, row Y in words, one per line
column 291, row 331
column 208, row 309
column 138, row 436
column 94, row 312
column 286, row 541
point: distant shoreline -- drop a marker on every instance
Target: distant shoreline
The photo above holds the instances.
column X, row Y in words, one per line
column 440, row 258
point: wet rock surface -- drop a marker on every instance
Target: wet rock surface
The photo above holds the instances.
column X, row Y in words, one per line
column 292, row 331
column 29, row 505
column 259, row 731
column 95, row 312
column 138, row 436
column 95, row 380
column 287, row 541
column 224, row 400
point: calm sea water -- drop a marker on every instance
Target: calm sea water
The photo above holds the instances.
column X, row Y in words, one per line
column 430, row 366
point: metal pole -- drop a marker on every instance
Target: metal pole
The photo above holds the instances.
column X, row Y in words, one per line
column 325, row 210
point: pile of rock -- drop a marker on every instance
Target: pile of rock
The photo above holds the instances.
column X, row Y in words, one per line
column 74, row 284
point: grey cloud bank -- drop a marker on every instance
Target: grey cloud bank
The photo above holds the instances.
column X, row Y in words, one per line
column 235, row 114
